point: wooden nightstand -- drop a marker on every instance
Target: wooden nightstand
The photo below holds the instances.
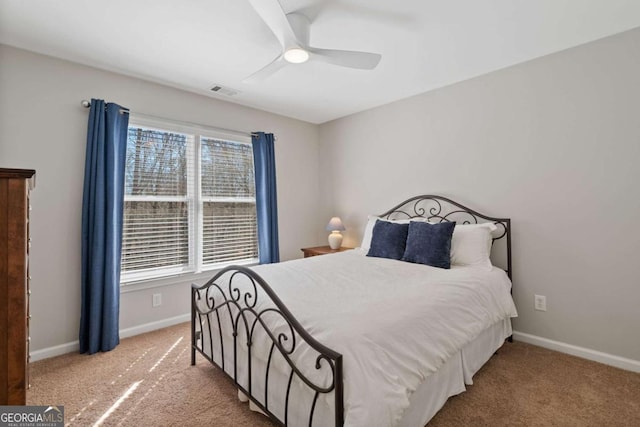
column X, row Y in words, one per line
column 322, row 250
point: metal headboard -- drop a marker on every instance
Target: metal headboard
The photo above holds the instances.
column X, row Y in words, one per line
column 439, row 209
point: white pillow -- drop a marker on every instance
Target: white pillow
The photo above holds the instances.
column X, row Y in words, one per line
column 471, row 244
column 371, row 222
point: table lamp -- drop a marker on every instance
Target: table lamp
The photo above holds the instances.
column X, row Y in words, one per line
column 335, row 227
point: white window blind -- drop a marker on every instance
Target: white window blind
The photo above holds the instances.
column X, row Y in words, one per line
column 189, row 202
column 229, row 201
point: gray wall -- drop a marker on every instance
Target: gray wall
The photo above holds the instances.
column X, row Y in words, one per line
column 554, row 144
column 43, row 127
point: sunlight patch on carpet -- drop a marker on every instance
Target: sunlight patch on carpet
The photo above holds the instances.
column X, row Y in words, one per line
column 166, row 354
column 133, row 364
column 80, row 412
column 179, row 356
column 117, row 403
column 133, row 409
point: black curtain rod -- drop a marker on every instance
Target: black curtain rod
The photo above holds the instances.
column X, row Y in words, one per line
column 87, row 104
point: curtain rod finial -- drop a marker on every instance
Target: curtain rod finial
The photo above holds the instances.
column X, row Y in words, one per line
column 85, row 103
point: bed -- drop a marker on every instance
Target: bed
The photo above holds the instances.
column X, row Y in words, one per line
column 351, row 339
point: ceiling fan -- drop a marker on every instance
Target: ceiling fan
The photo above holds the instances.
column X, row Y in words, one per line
column 292, row 31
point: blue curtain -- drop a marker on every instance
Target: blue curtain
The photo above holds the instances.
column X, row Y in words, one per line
column 102, row 208
column 266, row 199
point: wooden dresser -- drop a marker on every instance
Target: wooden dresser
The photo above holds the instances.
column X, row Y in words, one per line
column 15, row 185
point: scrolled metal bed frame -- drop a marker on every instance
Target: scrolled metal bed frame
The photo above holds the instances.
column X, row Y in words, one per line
column 223, row 296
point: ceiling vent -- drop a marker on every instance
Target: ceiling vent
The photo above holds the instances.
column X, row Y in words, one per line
column 224, row 90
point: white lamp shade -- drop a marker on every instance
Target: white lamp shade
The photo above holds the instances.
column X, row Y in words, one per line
column 335, row 224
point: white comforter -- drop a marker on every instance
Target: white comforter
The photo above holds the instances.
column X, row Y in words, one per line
column 394, row 322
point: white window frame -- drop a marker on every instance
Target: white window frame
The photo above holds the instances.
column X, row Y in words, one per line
column 167, row 275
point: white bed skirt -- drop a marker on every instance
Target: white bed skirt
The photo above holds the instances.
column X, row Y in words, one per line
column 425, row 402
column 451, row 379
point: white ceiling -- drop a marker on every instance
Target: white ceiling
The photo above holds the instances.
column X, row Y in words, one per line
column 194, row 44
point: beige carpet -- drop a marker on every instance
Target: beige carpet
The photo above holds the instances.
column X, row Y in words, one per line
column 147, row 381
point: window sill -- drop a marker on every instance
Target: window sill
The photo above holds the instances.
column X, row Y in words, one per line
column 177, row 279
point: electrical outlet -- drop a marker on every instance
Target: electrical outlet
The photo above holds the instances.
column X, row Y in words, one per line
column 540, row 302
column 157, row 300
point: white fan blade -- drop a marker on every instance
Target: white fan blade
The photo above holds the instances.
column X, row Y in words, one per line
column 272, row 14
column 300, row 27
column 346, row 58
column 266, row 71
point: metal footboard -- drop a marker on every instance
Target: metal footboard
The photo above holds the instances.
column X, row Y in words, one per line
column 238, row 307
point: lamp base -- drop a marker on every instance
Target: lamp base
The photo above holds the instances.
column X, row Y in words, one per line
column 335, row 240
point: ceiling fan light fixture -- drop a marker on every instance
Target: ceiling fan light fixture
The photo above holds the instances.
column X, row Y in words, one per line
column 296, row 55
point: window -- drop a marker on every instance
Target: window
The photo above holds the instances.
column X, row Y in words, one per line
column 189, row 201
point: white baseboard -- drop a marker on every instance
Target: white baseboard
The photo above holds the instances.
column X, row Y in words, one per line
column 70, row 347
column 56, row 350
column 585, row 353
column 148, row 327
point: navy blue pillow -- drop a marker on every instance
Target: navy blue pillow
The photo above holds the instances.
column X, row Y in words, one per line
column 429, row 244
column 388, row 240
